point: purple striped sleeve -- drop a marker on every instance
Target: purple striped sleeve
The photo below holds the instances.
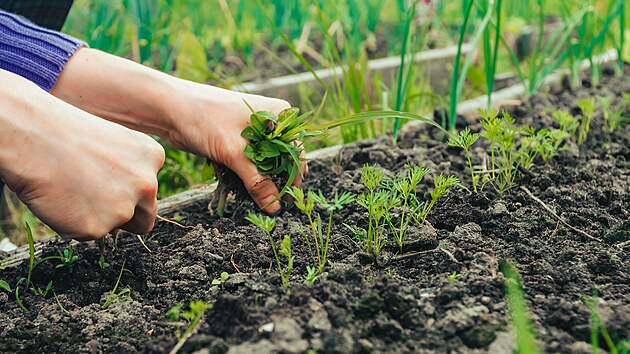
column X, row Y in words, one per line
column 35, row 53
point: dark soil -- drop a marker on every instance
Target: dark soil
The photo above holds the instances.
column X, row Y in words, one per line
column 394, row 304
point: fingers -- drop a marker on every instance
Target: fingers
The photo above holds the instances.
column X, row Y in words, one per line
column 261, row 188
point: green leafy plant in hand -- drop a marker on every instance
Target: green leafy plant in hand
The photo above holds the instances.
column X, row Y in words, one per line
column 267, row 224
column 464, row 140
column 588, row 108
column 321, row 240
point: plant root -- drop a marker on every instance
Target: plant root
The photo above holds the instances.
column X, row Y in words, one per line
column 550, row 211
column 173, row 222
column 234, row 263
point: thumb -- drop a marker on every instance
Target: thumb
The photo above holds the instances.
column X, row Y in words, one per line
column 261, row 188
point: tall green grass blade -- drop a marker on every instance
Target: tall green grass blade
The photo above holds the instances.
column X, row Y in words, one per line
column 403, row 81
column 462, row 76
column 519, row 313
column 456, row 70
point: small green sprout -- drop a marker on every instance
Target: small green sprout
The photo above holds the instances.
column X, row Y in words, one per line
column 115, row 295
column 101, row 259
column 605, row 102
column 405, row 185
column 588, row 108
column 67, row 258
column 567, row 122
column 221, row 279
column 45, row 291
column 616, row 119
column 464, row 140
column 311, row 275
column 196, row 311
column 453, row 276
column 519, row 312
column 267, row 224
column 441, row 186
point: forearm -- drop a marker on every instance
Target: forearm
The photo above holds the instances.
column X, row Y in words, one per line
column 118, row 90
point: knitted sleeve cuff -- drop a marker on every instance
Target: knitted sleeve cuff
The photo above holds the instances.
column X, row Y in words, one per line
column 35, row 53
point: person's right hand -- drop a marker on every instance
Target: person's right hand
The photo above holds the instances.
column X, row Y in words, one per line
column 81, row 175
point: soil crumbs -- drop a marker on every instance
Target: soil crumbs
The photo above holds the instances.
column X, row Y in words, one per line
column 445, row 294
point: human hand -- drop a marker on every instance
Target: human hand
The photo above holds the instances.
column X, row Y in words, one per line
column 197, row 118
column 211, row 122
column 81, row 175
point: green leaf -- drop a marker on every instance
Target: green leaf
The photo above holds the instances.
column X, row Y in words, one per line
column 250, row 133
column 4, row 285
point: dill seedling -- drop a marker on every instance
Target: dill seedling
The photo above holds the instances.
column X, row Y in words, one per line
column 267, row 224
column 588, row 108
column 441, row 186
column 307, row 205
column 405, row 185
column 464, row 140
column 568, row 123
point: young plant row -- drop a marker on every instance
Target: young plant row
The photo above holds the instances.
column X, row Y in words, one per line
column 510, row 148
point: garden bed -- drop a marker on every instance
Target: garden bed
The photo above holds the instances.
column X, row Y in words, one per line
column 445, row 293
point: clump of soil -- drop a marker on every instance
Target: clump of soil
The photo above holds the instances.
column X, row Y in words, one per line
column 400, row 303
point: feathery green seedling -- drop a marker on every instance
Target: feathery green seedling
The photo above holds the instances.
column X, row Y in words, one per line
column 123, row 295
column 404, row 188
column 588, row 108
column 568, row 123
column 377, row 202
column 307, row 206
column 605, row 102
column 464, row 140
column 616, row 119
column 221, row 279
column 196, row 311
column 441, row 186
column 267, row 224
column 519, row 313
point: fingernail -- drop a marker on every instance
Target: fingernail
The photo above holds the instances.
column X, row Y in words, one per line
column 273, row 208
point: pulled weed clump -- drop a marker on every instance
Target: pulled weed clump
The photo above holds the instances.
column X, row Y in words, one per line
column 393, row 203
